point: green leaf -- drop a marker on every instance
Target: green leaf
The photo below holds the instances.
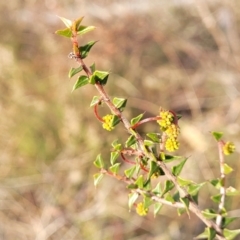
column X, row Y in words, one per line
column 176, row 170
column 140, row 181
column 169, row 185
column 154, row 168
column 230, row 234
column 157, row 190
column 208, row 233
column 97, row 178
column 154, row 137
column 231, row 191
column 148, row 143
column 216, row 198
column 99, row 161
column 130, row 171
column 194, row 188
column 114, row 156
column 130, row 141
column 217, row 135
column 169, row 198
column 99, row 76
column 184, row 182
column 170, row 158
column 68, row 23
column 66, row 32
column 94, row 101
column 84, row 29
column 115, row 121
column 74, row 71
column 84, row 50
column 157, row 208
column 185, row 201
column 115, row 168
column 216, row 183
column 136, row 119
column 92, row 67
column 78, row 23
column 120, row 103
column 82, row 81
column 116, row 145
column 227, row 220
column 132, row 186
column 132, row 197
column 227, row 169
column 209, row 213
column 147, row 202
column 181, row 211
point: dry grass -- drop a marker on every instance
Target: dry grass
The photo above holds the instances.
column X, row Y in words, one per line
column 184, row 57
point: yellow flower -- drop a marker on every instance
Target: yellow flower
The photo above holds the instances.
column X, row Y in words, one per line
column 171, row 144
column 228, row 148
column 108, row 122
column 166, row 119
column 141, row 211
column 172, row 131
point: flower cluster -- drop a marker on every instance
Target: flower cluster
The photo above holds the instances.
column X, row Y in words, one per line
column 228, row 148
column 141, row 211
column 171, row 130
column 107, row 124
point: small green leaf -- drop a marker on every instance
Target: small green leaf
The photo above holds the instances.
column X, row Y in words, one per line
column 97, row 178
column 99, row 161
column 176, row 170
column 116, row 145
column 155, row 137
column 184, row 182
column 230, row 234
column 132, row 197
column 185, row 201
column 217, row 135
column 78, row 23
column 130, row 141
column 157, row 190
column 92, row 67
column 120, row 103
column 74, row 71
column 157, row 208
column 82, row 81
column 140, row 181
column 181, row 211
column 84, row 29
column 130, row 171
column 67, row 22
column 84, row 50
column 148, row 143
column 147, row 202
column 216, row 198
column 169, row 197
column 113, row 158
column 66, row 32
column 115, row 168
column 227, row 169
column 227, row 220
column 194, row 188
column 115, row 121
column 208, row 234
column 231, row 191
column 94, row 101
column 169, row 185
column 170, row 158
column 154, row 168
column 216, row 183
column 99, row 76
column 209, row 214
column 136, row 119
column 132, row 186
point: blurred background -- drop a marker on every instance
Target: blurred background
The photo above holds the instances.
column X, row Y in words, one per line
column 182, row 55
